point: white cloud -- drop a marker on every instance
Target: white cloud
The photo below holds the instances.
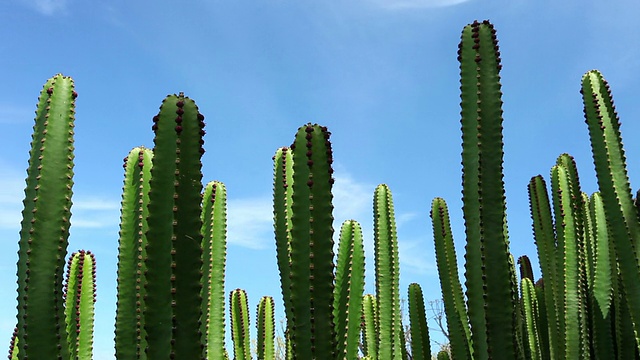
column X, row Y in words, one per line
column 413, row 257
column 416, row 4
column 250, row 222
column 47, row 7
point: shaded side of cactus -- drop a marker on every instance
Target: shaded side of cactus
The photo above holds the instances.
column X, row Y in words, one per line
column 312, row 269
column 239, row 311
column 129, row 331
column 348, row 291
column 613, row 181
column 387, row 272
column 174, row 252
column 454, row 305
column 45, row 224
column 265, row 324
column 420, row 342
column 214, row 249
column 370, row 333
column 80, row 298
column 282, row 201
column 490, row 295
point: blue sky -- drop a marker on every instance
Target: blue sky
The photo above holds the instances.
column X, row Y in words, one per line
column 381, row 74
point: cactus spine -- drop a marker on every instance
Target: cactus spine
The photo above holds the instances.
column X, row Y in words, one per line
column 130, row 335
column 80, row 298
column 174, row 252
column 214, row 245
column 45, row 225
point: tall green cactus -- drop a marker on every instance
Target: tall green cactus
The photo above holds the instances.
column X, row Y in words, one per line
column 80, row 298
column 214, row 246
column 387, row 270
column 490, row 295
column 613, row 181
column 348, row 291
column 173, row 302
column 239, row 311
column 420, row 342
column 130, row 335
column 308, row 239
column 370, row 333
column 45, row 225
column 265, row 325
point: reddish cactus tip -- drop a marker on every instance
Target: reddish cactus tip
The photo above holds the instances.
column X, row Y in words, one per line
column 50, row 90
column 74, row 94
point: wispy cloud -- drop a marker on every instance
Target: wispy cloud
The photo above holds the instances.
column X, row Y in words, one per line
column 47, row 7
column 417, row 4
column 250, row 222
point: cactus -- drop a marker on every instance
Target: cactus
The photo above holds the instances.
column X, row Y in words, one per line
column 80, row 298
column 370, row 333
column 490, row 295
column 348, row 292
column 265, row 324
column 174, row 245
column 420, row 343
column 387, row 268
column 45, row 225
column 239, row 311
column 214, row 245
column 613, row 182
column 130, row 335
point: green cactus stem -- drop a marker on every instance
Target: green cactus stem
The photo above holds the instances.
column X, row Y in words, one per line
column 370, row 333
column 349, row 289
column 80, row 298
column 130, row 341
column 45, row 224
column 265, row 324
column 239, row 310
column 490, row 295
column 455, row 309
column 387, row 270
column 214, row 247
column 312, row 270
column 613, row 181
column 420, row 342
column 173, row 302
column 530, row 313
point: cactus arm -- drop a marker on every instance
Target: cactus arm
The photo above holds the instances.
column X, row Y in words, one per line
column 489, row 288
column 45, row 224
column 282, row 192
column 420, row 343
column 130, row 340
column 214, row 248
column 530, row 312
column 80, row 298
column 526, row 270
column 613, row 181
column 369, row 326
column 442, row 355
column 265, row 324
column 239, row 310
column 387, row 272
column 312, row 245
column 603, row 281
column 349, row 288
column 455, row 309
column 174, row 253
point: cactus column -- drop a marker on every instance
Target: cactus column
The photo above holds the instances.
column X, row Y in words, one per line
column 45, row 225
column 173, row 302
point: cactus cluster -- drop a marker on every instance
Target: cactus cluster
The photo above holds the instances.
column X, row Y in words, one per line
column 172, row 248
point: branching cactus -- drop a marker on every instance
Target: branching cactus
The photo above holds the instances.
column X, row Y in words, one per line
column 80, row 298
column 303, row 224
column 613, row 181
column 387, row 268
column 239, row 311
column 349, row 290
column 45, row 225
column 130, row 335
column 173, row 302
column 265, row 325
column 490, row 296
column 214, row 246
column 420, row 342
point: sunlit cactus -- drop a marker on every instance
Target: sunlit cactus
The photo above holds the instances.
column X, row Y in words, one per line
column 80, row 298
